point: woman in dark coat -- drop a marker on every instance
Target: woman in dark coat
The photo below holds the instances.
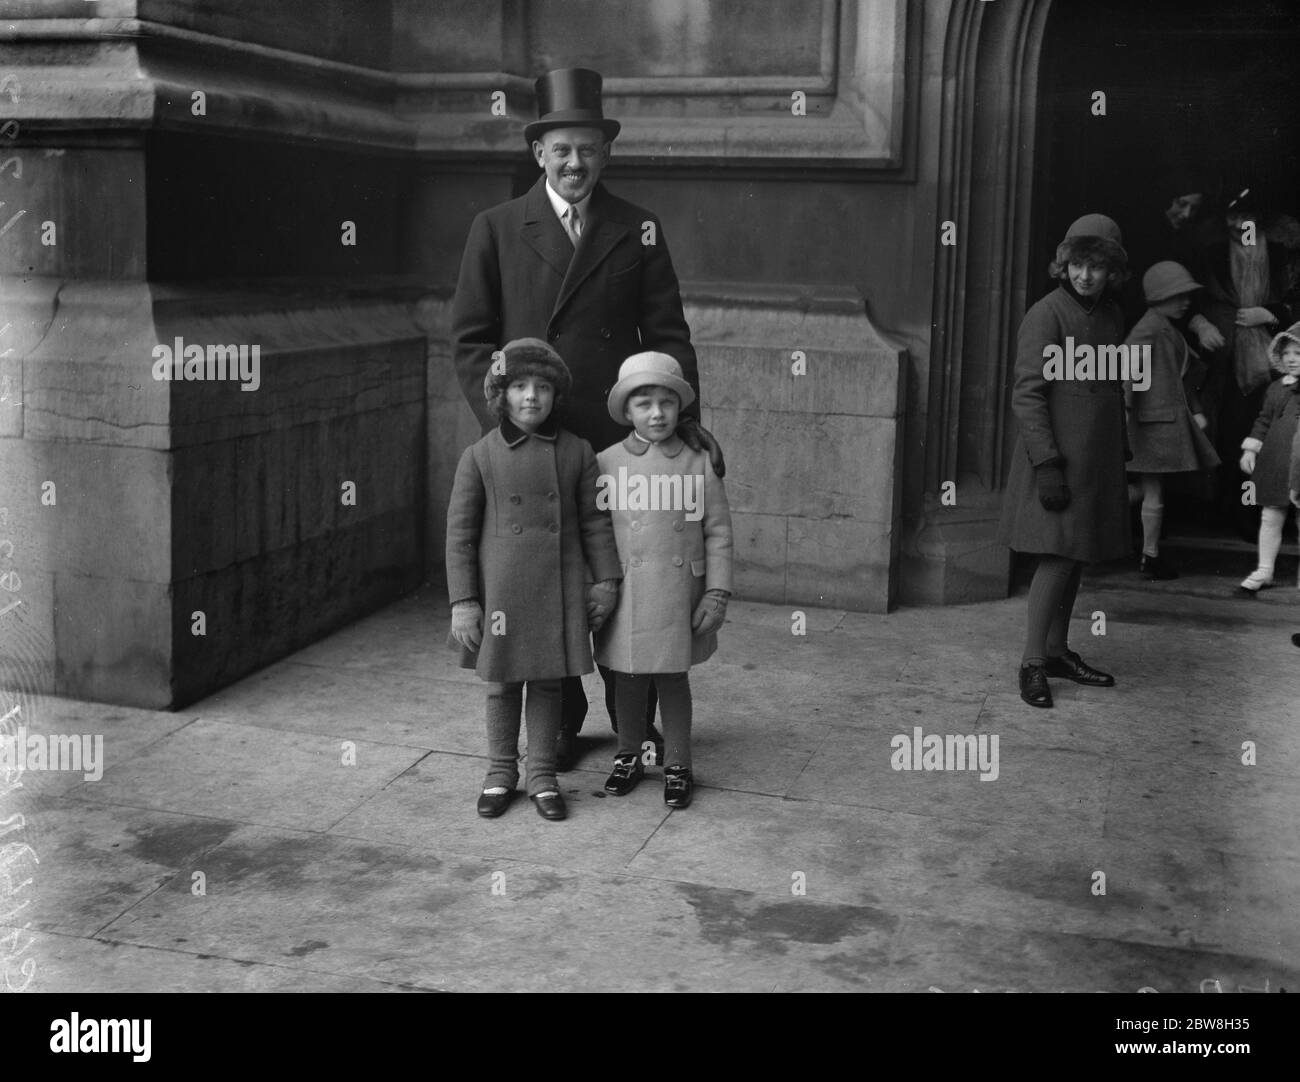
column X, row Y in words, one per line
column 1066, row 498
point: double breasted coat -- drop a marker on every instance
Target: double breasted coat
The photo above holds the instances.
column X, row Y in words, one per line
column 615, row 295
column 1162, row 433
column 669, row 556
column 1080, row 421
column 1271, row 438
column 522, row 528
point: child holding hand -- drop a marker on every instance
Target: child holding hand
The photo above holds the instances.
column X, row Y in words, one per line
column 522, row 530
column 673, row 531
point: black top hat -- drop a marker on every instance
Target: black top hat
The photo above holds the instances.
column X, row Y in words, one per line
column 569, row 98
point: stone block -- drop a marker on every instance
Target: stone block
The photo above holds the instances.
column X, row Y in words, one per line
column 114, row 640
column 27, row 659
column 760, row 554
column 839, row 563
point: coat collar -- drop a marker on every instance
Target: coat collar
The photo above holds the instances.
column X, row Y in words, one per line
column 669, row 448
column 514, row 435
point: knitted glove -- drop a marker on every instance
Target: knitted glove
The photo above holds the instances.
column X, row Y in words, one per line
column 467, row 624
column 699, row 438
column 602, row 597
column 1053, row 492
column 710, row 612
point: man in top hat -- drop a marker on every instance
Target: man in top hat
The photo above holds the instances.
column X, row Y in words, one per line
column 588, row 272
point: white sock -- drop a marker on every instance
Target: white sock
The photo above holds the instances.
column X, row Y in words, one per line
column 496, row 790
column 548, row 792
column 1270, row 537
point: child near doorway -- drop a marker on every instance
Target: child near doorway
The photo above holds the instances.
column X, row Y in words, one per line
column 1165, row 431
column 1266, row 454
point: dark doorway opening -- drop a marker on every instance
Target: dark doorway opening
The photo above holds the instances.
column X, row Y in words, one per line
column 1193, row 89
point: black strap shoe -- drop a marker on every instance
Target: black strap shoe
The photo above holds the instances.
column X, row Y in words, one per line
column 1156, row 567
column 1071, row 666
column 1034, row 688
column 550, row 806
column 678, row 786
column 626, row 773
column 490, row 805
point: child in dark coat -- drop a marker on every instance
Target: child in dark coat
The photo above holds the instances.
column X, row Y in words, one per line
column 522, row 530
column 1165, row 430
column 1266, row 453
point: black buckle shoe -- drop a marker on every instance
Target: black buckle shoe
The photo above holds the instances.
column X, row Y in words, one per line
column 1156, row 567
column 490, row 805
column 678, row 786
column 1034, row 688
column 551, row 806
column 626, row 773
column 1071, row 666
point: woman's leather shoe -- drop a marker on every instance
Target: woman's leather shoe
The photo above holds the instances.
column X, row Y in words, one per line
column 490, row 805
column 1156, row 567
column 1071, row 666
column 678, row 787
column 1033, row 685
column 551, row 806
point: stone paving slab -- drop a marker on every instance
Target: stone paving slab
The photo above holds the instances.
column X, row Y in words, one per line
column 807, row 863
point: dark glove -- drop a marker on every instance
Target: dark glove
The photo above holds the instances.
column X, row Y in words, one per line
column 1053, row 492
column 699, row 438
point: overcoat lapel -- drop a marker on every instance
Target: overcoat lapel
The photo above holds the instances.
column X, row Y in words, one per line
column 599, row 237
column 543, row 233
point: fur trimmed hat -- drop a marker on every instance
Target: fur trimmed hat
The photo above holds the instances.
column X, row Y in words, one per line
column 1291, row 334
column 519, row 359
column 1093, row 235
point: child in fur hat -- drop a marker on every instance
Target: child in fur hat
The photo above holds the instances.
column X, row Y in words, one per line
column 522, row 531
column 1165, row 431
column 1266, row 453
column 673, row 530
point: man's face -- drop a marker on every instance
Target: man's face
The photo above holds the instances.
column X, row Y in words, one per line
column 573, row 159
column 1183, row 209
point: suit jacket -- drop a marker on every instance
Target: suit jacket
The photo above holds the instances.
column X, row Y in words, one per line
column 616, row 295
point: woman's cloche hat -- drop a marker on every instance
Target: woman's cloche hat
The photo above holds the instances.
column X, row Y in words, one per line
column 1167, row 279
column 521, row 358
column 648, row 369
column 569, row 98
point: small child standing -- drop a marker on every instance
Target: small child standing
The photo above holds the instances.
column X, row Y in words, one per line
column 673, row 530
column 522, row 528
column 1165, row 431
column 1266, row 453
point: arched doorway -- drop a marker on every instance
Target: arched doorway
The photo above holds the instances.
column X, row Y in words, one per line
column 1199, row 96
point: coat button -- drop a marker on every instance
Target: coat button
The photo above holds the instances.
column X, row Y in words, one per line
column 554, row 527
column 553, row 335
column 679, row 525
column 516, row 528
column 552, row 496
column 677, row 561
column 606, row 333
column 635, row 561
column 514, row 498
column 634, row 524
